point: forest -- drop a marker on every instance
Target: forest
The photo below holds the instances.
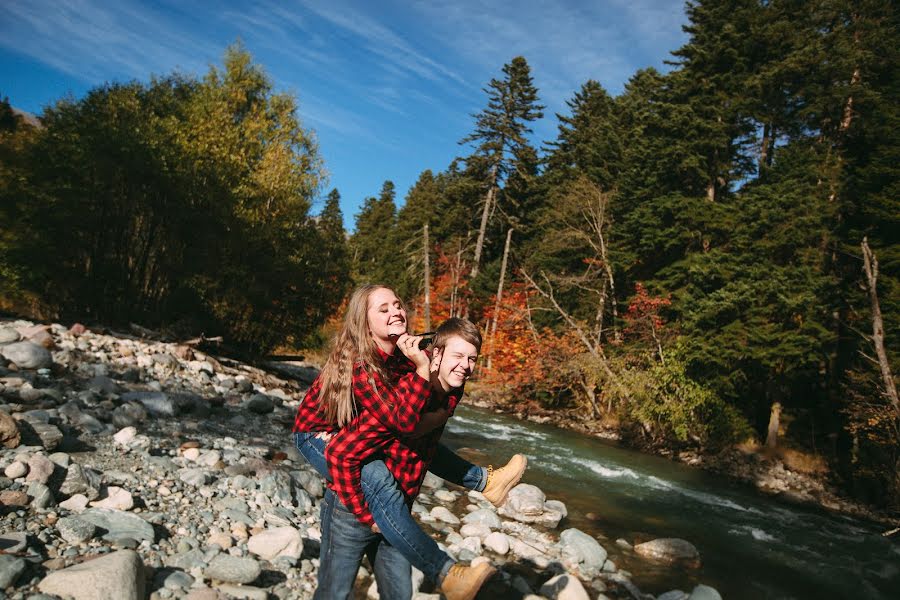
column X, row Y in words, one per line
column 707, row 258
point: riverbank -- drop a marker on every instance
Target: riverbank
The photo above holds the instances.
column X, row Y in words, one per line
column 138, row 469
column 769, row 473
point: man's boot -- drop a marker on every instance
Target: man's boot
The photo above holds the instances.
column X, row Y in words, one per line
column 463, row 582
column 504, row 479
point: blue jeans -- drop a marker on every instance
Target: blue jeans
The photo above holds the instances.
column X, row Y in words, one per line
column 344, row 541
column 387, row 503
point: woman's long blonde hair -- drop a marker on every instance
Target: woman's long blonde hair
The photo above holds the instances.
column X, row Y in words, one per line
column 352, row 344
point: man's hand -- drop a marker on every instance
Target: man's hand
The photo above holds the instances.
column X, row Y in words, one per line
column 430, row 421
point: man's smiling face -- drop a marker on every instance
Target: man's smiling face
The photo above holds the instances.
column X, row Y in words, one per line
column 458, row 359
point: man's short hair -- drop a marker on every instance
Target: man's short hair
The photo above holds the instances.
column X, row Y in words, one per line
column 455, row 326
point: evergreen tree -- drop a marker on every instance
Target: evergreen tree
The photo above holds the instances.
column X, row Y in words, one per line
column 334, row 251
column 500, row 135
column 589, row 141
column 375, row 258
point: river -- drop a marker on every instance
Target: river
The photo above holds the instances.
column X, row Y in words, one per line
column 751, row 546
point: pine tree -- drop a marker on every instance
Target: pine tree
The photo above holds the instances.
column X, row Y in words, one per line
column 375, row 258
column 589, row 141
column 500, row 134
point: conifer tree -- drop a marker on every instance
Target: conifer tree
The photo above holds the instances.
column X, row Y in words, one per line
column 500, row 135
column 375, row 259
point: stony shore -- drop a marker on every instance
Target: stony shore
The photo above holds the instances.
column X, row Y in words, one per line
column 137, row 469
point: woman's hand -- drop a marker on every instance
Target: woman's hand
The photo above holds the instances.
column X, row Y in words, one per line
column 409, row 346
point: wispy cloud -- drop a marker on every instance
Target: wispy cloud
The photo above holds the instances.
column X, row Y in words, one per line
column 565, row 43
column 91, row 40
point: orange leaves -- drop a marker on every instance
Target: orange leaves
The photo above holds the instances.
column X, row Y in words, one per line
column 644, row 313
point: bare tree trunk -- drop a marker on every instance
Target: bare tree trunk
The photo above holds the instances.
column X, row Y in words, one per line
column 847, row 117
column 485, row 213
column 427, row 279
column 870, row 264
column 499, row 296
column 774, row 424
column 764, row 148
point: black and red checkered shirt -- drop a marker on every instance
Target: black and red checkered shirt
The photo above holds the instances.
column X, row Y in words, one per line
column 386, row 418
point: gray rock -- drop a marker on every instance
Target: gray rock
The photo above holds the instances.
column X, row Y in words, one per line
column 277, row 486
column 441, row 513
column 81, row 480
column 485, row 516
column 233, row 569
column 673, row 595
column 48, row 436
column 583, row 549
column 187, row 560
column 27, row 355
column 260, row 404
column 102, row 384
column 116, row 576
column 704, row 592
column 8, row 335
column 237, row 516
column 309, row 481
column 90, row 424
column 75, row 530
column 195, row 477
column 243, row 592
column 157, row 404
column 10, row 569
column 116, row 524
column 177, row 580
column 129, row 414
column 277, row 543
column 668, row 550
column 41, row 496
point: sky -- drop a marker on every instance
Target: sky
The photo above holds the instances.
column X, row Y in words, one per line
column 389, row 87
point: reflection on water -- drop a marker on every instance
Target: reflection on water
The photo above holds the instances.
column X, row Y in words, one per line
column 751, row 547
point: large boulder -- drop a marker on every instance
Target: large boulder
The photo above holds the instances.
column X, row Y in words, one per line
column 27, row 355
column 116, row 576
column 276, row 543
column 583, row 550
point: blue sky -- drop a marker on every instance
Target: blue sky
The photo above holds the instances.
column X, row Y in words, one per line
column 389, row 87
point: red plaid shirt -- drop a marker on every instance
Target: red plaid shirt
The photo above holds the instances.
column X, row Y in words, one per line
column 381, row 422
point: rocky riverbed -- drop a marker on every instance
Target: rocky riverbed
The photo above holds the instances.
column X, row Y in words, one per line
column 138, row 469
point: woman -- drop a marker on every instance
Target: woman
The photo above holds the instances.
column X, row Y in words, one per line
column 374, row 389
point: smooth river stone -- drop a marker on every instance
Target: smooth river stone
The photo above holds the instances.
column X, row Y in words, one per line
column 118, row 524
column 668, row 550
column 276, row 543
column 232, row 569
column 27, row 355
column 116, row 576
column 584, row 550
column 75, row 530
column 10, row 569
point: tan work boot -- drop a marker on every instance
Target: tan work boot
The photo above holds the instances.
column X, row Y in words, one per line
column 504, row 479
column 463, row 582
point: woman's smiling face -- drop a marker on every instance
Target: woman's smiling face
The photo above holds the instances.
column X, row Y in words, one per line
column 386, row 317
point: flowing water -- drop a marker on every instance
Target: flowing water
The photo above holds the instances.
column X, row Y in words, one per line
column 751, row 546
